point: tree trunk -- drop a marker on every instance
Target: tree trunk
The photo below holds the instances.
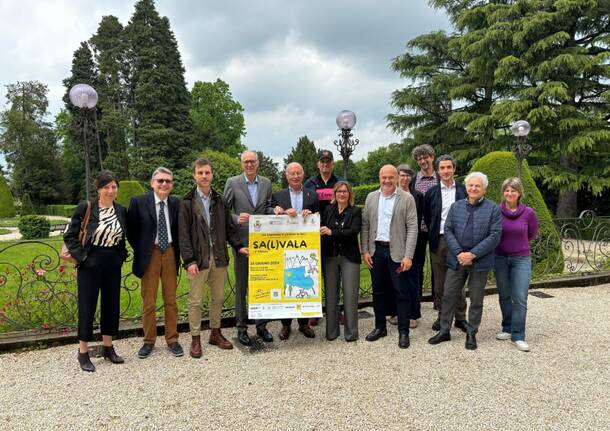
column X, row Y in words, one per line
column 567, row 204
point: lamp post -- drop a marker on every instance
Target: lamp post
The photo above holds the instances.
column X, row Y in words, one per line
column 84, row 97
column 520, row 129
column 346, row 120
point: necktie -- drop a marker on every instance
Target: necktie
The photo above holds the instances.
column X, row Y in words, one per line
column 162, row 227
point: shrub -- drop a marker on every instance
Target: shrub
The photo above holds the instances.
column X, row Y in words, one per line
column 60, row 210
column 362, row 191
column 34, row 227
column 546, row 250
column 7, row 206
column 27, row 207
column 223, row 165
column 128, row 189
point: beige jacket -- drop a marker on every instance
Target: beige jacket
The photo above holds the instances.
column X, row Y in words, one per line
column 403, row 227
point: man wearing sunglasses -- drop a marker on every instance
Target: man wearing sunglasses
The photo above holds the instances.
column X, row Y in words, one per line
column 152, row 231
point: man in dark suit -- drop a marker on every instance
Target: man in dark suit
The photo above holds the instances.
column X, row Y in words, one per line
column 152, row 231
column 436, row 207
column 247, row 194
column 292, row 201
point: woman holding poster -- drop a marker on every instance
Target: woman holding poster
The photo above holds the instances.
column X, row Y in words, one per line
column 340, row 226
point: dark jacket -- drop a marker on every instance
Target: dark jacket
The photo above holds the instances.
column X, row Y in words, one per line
column 419, row 203
column 282, row 199
column 343, row 240
column 142, row 229
column 195, row 234
column 487, row 230
column 322, row 189
column 79, row 252
column 433, row 207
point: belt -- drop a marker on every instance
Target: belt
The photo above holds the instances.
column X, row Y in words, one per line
column 168, row 245
column 383, row 243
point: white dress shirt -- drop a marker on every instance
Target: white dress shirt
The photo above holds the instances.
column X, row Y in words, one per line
column 384, row 215
column 448, row 194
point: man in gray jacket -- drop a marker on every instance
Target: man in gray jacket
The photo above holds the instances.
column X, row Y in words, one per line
column 247, row 194
column 388, row 238
column 472, row 231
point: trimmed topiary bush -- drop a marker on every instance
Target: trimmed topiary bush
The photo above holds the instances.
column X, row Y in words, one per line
column 362, row 191
column 546, row 250
column 34, row 227
column 128, row 189
column 27, row 207
column 7, row 206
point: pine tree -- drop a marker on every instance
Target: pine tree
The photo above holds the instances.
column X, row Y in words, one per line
column 158, row 98
column 543, row 61
column 110, row 51
column 305, row 154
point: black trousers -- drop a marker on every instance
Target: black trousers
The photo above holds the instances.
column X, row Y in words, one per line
column 384, row 276
column 101, row 271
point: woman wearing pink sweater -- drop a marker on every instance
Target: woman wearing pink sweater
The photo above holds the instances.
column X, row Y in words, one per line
column 513, row 262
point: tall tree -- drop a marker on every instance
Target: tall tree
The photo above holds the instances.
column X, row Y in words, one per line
column 268, row 168
column 109, row 51
column 158, row 97
column 305, row 154
column 28, row 143
column 218, row 119
column 540, row 60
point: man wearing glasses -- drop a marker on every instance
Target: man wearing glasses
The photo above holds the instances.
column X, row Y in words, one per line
column 152, row 231
column 247, row 194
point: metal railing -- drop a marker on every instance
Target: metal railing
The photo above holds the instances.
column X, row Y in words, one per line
column 38, row 291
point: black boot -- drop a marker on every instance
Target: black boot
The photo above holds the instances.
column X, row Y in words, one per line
column 109, row 353
column 85, row 362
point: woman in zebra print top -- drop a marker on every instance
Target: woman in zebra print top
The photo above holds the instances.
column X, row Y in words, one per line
column 99, row 263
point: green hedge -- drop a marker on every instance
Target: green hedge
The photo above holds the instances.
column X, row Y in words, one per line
column 27, row 207
column 500, row 165
column 362, row 191
column 34, row 227
column 60, row 210
column 128, row 189
column 7, row 206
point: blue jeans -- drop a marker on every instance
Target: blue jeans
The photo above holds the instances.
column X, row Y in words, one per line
column 512, row 279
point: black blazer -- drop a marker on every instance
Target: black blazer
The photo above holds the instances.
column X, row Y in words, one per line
column 345, row 238
column 79, row 252
column 433, row 206
column 142, row 229
column 419, row 204
column 282, row 199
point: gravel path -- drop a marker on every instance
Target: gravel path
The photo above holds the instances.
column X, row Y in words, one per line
column 563, row 383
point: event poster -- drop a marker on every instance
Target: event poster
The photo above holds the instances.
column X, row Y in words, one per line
column 284, row 277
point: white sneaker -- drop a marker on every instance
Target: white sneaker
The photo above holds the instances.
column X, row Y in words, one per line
column 502, row 336
column 522, row 345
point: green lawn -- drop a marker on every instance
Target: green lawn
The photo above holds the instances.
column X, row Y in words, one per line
column 4, row 231
column 32, row 271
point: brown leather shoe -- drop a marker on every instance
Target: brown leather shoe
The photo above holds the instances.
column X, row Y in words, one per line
column 307, row 331
column 217, row 339
column 285, row 332
column 196, row 346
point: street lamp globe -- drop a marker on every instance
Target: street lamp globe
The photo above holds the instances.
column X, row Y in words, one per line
column 520, row 128
column 83, row 96
column 346, row 120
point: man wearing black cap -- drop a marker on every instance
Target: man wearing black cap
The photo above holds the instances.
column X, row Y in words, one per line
column 323, row 184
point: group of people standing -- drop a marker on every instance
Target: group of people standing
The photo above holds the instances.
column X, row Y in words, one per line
column 468, row 235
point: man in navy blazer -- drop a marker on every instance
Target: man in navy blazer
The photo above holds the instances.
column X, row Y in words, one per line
column 292, row 201
column 152, row 231
column 472, row 231
column 437, row 202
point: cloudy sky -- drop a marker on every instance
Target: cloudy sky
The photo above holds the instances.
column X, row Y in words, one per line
column 293, row 65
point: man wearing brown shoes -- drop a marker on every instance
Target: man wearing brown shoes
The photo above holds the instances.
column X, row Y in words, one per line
column 205, row 226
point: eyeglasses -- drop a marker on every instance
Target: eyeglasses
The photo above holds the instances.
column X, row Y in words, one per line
column 249, row 162
column 163, row 180
column 422, row 158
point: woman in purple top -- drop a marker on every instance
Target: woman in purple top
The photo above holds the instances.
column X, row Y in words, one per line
column 513, row 262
